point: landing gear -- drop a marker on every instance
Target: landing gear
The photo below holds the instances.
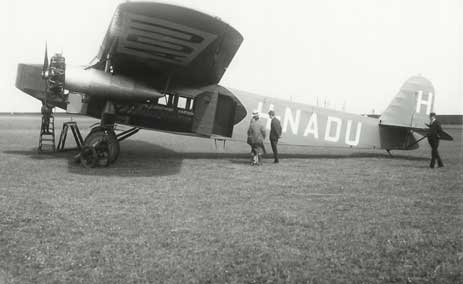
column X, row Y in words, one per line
column 101, row 148
column 389, row 152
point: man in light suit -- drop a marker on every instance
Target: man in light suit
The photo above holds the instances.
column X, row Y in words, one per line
column 256, row 136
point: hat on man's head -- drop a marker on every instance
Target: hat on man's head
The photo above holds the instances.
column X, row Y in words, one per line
column 255, row 113
column 271, row 112
column 432, row 114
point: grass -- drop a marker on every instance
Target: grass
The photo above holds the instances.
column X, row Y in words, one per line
column 172, row 210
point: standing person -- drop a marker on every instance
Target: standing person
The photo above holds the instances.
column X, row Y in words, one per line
column 256, row 136
column 275, row 134
column 433, row 139
column 46, row 114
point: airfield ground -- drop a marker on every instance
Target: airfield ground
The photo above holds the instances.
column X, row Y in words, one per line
column 172, row 210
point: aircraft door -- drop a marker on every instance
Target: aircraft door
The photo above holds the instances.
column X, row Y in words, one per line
column 224, row 116
column 214, row 114
column 204, row 112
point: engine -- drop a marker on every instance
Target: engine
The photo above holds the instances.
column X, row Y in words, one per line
column 56, row 76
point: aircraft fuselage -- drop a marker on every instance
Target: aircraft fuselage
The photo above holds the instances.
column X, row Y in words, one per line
column 306, row 125
column 214, row 111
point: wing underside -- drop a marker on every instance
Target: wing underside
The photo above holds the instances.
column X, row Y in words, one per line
column 162, row 43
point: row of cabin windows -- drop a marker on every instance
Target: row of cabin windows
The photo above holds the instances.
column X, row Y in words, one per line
column 176, row 102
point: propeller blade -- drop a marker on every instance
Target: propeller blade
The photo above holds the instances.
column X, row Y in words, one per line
column 44, row 75
column 45, row 61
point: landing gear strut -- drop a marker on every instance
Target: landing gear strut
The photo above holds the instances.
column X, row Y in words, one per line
column 100, row 149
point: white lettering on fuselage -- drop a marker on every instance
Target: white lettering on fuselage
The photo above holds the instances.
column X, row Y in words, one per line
column 289, row 119
column 420, row 102
column 357, row 133
column 265, row 115
column 333, row 127
column 312, row 126
column 333, row 120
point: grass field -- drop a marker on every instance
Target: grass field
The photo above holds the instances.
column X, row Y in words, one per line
column 173, row 210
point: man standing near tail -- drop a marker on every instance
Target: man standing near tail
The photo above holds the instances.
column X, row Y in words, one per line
column 275, row 134
column 433, row 139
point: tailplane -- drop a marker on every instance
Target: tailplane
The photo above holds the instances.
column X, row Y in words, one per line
column 408, row 113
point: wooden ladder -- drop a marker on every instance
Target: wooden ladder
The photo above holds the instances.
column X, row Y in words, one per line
column 47, row 136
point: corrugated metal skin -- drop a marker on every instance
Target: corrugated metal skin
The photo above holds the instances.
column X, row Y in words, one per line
column 159, row 43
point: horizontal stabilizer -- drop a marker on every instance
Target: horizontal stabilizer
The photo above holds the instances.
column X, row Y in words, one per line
column 442, row 135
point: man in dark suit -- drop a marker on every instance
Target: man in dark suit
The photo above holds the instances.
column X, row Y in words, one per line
column 433, row 139
column 275, row 134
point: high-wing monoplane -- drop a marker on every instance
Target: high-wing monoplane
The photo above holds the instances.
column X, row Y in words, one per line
column 159, row 68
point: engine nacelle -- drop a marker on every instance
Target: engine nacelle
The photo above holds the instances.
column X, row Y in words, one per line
column 98, row 83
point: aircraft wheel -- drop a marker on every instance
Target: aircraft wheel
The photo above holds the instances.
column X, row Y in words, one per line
column 88, row 157
column 105, row 145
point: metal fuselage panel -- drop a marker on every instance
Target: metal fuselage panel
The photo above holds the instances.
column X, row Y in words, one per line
column 305, row 125
column 302, row 125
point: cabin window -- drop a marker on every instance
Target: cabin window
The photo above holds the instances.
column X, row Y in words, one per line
column 185, row 103
column 182, row 103
column 163, row 101
column 189, row 104
column 175, row 101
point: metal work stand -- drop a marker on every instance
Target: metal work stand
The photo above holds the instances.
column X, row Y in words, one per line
column 75, row 132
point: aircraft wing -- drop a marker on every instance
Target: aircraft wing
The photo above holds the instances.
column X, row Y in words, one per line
column 168, row 45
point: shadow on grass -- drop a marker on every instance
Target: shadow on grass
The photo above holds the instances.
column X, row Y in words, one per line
column 137, row 159
column 246, row 157
column 140, row 158
column 35, row 155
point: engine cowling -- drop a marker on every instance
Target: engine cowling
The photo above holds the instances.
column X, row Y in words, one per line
column 102, row 84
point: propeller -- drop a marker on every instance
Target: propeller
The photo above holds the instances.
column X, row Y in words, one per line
column 45, row 74
column 45, row 63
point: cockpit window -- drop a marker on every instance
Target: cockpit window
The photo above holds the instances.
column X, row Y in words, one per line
column 175, row 101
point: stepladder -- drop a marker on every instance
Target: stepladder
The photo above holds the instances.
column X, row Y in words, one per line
column 47, row 134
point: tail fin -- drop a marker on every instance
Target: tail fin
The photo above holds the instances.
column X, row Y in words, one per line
column 411, row 106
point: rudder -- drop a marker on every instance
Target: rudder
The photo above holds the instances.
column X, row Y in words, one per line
column 411, row 106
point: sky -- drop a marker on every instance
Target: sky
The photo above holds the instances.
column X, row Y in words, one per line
column 348, row 55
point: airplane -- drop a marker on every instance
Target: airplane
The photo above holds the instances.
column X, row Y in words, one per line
column 159, row 68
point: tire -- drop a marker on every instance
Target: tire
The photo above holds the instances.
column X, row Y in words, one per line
column 88, row 157
column 105, row 143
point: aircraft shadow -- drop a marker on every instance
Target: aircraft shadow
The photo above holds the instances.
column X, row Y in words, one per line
column 143, row 159
column 33, row 154
column 234, row 156
column 137, row 159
